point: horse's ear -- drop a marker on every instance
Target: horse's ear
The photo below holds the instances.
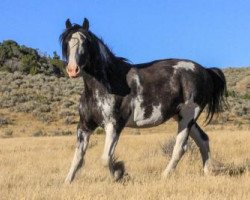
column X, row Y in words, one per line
column 85, row 24
column 68, row 24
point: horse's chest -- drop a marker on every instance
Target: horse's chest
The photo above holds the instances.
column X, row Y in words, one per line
column 105, row 105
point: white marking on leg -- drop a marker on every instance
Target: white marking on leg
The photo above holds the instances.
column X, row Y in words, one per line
column 189, row 111
column 179, row 150
column 78, row 159
column 184, row 65
column 110, row 143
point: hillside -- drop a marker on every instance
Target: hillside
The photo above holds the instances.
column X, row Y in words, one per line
column 15, row 57
column 42, row 95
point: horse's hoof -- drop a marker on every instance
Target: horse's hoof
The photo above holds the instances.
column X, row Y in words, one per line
column 167, row 174
column 118, row 174
column 117, row 169
column 68, row 180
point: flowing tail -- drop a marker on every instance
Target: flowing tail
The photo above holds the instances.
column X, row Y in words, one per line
column 219, row 89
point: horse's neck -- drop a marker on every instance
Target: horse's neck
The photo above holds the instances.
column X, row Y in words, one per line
column 90, row 83
column 107, row 69
column 111, row 75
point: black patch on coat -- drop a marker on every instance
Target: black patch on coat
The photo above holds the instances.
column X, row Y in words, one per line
column 203, row 135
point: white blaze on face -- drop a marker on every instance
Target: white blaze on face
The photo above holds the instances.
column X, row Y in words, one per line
column 75, row 50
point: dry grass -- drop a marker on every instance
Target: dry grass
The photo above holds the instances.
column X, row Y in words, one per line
column 35, row 168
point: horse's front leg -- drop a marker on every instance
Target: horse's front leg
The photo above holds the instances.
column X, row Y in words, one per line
column 78, row 159
column 112, row 136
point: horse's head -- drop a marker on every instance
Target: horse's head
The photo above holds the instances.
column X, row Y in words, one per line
column 74, row 47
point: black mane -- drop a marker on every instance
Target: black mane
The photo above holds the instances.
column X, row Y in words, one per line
column 65, row 36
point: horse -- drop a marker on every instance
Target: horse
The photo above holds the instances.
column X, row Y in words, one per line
column 120, row 94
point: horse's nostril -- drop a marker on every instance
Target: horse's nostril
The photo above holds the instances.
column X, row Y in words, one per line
column 77, row 69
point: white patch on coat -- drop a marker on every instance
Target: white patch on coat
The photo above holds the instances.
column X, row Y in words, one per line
column 179, row 150
column 79, row 154
column 184, row 65
column 75, row 48
column 106, row 104
column 109, row 143
column 139, row 110
column 137, row 80
column 138, row 100
column 154, row 118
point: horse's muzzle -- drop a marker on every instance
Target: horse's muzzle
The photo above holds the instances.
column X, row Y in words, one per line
column 73, row 71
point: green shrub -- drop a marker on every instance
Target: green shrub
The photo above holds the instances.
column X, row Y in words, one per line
column 5, row 121
column 231, row 93
column 61, row 133
column 70, row 120
column 29, row 64
column 14, row 57
column 39, row 133
column 246, row 96
column 8, row 133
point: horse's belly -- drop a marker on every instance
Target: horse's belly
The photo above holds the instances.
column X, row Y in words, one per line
column 145, row 116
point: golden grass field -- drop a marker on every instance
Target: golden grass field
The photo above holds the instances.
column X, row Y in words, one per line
column 35, row 167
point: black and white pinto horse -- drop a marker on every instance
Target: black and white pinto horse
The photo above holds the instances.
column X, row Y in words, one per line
column 118, row 94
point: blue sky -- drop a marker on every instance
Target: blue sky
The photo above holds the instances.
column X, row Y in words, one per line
column 210, row 32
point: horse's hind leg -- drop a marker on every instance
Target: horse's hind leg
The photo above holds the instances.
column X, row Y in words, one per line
column 187, row 116
column 78, row 160
column 202, row 141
